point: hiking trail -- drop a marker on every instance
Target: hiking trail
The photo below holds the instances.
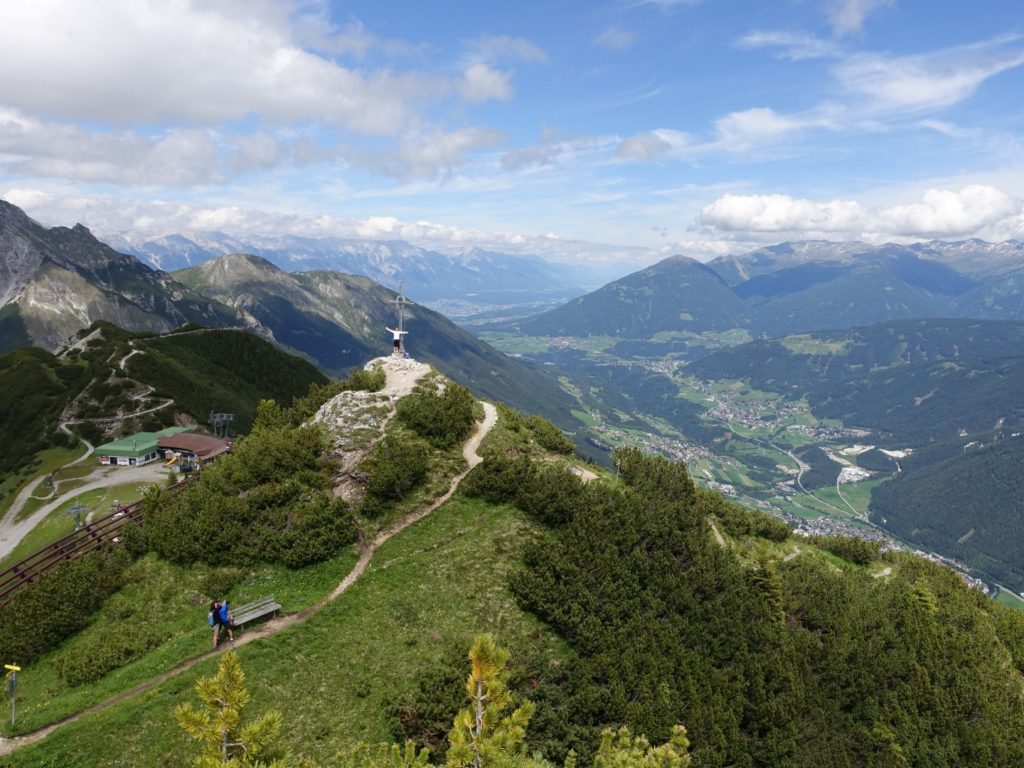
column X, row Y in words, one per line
column 403, row 383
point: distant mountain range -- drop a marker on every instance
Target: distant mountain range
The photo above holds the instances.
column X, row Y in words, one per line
column 469, row 274
column 802, row 286
column 677, row 294
column 57, row 281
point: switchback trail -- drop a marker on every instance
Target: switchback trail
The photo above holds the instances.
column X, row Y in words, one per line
column 273, row 627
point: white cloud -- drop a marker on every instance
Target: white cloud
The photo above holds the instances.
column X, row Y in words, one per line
column 949, row 129
column 848, row 16
column 702, row 250
column 651, row 145
column 424, row 154
column 173, row 157
column 152, row 92
column 928, row 81
column 794, row 46
column 494, row 48
column 109, row 215
column 542, row 154
column 976, row 210
column 188, row 61
column 751, row 128
column 872, row 91
column 780, row 213
column 615, row 39
column 480, row 82
column 313, row 29
column 942, row 213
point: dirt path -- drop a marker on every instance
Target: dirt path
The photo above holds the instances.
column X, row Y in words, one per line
column 883, row 573
column 718, row 534
column 273, row 627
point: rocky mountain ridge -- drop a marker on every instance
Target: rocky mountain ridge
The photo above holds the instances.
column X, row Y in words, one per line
column 801, row 286
column 487, row 277
column 56, row 281
column 61, row 280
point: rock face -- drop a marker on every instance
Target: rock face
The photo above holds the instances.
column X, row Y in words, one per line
column 355, row 421
column 53, row 282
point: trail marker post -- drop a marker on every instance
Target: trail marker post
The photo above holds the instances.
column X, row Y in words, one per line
column 12, row 688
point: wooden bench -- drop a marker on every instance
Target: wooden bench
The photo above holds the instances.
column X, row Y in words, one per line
column 254, row 610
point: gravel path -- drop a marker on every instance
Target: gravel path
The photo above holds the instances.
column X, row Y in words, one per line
column 13, row 531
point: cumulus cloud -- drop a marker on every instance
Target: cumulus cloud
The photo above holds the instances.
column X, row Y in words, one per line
column 173, row 157
column 794, row 46
column 848, row 16
column 651, row 145
column 943, row 213
column 976, row 210
column 162, row 106
column 187, row 61
column 481, row 82
column 615, row 39
column 780, row 213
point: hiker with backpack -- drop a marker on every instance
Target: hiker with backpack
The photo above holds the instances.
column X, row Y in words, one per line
column 220, row 616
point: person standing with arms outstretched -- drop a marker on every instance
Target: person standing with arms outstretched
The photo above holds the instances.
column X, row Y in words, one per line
column 396, row 348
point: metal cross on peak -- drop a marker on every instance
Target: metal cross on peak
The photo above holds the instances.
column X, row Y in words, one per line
column 401, row 302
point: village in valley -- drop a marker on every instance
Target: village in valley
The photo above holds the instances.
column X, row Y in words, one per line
column 758, row 424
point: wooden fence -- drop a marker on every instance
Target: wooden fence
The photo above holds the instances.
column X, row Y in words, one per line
column 88, row 538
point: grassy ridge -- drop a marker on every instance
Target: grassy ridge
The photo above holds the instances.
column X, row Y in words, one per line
column 337, row 676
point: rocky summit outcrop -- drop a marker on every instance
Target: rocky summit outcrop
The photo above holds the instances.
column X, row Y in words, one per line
column 355, row 420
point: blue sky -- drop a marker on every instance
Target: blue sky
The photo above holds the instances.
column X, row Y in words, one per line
column 577, row 130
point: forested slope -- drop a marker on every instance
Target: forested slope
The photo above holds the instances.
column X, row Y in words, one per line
column 948, row 390
column 200, row 371
column 768, row 661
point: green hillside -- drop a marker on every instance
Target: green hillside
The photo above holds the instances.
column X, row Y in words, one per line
column 968, row 506
column 339, row 321
column 677, row 294
column 228, row 371
column 640, row 600
column 200, row 370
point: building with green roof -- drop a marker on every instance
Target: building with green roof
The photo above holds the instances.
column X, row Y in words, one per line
column 133, row 450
